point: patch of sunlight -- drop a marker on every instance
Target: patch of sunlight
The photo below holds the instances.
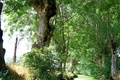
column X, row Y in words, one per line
column 83, row 77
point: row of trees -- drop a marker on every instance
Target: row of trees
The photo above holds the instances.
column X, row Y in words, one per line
column 85, row 32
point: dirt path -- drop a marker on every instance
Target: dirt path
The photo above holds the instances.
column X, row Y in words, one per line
column 83, row 77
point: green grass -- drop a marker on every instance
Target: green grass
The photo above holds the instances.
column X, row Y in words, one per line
column 83, row 77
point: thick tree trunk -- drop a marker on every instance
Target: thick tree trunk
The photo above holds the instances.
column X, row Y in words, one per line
column 45, row 9
column 2, row 50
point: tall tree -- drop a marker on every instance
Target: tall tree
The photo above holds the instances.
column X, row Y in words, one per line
column 45, row 10
column 2, row 50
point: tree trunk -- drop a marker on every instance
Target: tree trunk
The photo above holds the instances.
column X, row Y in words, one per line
column 113, row 60
column 45, row 9
column 15, row 50
column 2, row 50
column 72, row 65
column 113, row 66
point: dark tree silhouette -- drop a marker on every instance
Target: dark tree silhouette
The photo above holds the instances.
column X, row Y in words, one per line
column 2, row 50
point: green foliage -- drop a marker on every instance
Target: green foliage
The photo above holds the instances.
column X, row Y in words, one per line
column 83, row 29
column 42, row 63
column 4, row 76
column 21, row 18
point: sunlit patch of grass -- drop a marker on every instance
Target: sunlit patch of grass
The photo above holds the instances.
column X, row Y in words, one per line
column 83, row 77
column 18, row 72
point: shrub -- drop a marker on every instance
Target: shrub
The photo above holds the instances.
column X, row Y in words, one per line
column 42, row 63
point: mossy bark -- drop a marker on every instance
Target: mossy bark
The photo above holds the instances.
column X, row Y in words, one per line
column 45, row 10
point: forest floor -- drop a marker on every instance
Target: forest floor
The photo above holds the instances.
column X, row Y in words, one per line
column 20, row 72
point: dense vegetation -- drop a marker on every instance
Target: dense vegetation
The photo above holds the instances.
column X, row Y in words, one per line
column 84, row 37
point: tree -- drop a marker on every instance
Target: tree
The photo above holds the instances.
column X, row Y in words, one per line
column 2, row 50
column 45, row 10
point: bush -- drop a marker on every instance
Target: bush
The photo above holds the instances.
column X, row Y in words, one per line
column 66, row 76
column 42, row 63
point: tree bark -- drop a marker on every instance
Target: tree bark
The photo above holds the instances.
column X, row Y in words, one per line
column 113, row 66
column 45, row 9
column 113, row 60
column 2, row 50
column 15, row 50
column 72, row 65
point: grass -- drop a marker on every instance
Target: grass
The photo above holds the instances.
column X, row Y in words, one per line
column 18, row 72
column 83, row 77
